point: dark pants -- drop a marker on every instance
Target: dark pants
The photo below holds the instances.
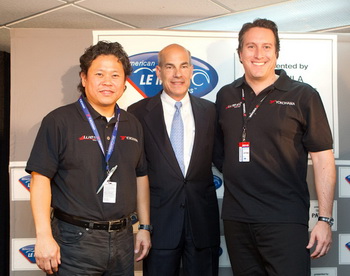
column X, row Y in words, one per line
column 195, row 261
column 267, row 249
column 94, row 252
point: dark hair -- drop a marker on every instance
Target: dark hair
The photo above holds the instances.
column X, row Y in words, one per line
column 261, row 23
column 103, row 48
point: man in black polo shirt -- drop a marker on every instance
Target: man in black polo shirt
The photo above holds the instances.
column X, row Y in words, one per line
column 88, row 164
column 267, row 126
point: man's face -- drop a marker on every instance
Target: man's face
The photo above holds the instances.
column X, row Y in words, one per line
column 258, row 54
column 105, row 82
column 175, row 71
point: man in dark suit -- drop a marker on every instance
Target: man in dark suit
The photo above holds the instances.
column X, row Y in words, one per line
column 184, row 208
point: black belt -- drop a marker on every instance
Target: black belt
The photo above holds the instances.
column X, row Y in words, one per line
column 112, row 225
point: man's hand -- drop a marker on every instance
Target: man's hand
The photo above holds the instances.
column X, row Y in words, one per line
column 321, row 236
column 142, row 244
column 47, row 255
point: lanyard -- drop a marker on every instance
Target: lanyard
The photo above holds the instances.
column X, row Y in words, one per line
column 247, row 118
column 97, row 135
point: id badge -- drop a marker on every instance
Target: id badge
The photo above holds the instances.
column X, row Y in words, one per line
column 244, row 152
column 110, row 192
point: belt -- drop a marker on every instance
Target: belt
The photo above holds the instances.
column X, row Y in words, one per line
column 112, row 225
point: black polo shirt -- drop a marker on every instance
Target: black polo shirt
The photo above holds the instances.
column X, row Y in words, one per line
column 289, row 123
column 66, row 151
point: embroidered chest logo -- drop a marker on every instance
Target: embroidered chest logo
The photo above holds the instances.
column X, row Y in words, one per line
column 128, row 138
column 281, row 102
column 235, row 105
column 87, row 137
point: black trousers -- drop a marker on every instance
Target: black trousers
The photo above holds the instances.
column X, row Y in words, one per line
column 267, row 249
column 195, row 261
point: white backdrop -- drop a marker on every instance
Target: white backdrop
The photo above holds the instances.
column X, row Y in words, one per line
column 310, row 58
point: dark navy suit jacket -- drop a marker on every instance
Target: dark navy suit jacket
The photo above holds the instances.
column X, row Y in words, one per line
column 172, row 194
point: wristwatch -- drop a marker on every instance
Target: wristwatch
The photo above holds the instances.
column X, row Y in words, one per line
column 328, row 220
column 147, row 227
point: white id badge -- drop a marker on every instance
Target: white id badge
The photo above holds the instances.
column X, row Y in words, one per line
column 244, row 152
column 110, row 192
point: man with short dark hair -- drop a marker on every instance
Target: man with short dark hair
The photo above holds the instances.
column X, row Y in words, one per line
column 88, row 164
column 267, row 126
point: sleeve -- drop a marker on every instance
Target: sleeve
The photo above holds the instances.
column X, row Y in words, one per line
column 44, row 156
column 141, row 169
column 317, row 135
column 218, row 152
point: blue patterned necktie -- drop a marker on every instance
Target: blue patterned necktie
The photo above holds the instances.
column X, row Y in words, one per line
column 177, row 137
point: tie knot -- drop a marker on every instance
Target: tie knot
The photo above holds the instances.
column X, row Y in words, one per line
column 178, row 105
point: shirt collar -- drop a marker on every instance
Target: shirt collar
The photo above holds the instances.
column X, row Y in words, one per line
column 94, row 114
column 170, row 101
column 282, row 83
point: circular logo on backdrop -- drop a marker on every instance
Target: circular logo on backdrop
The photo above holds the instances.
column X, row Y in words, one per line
column 217, row 182
column 145, row 81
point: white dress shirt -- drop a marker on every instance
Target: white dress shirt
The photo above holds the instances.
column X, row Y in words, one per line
column 187, row 119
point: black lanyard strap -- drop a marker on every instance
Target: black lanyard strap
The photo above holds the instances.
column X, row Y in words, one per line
column 247, row 118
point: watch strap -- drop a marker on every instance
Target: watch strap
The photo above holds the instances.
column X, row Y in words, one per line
column 147, row 227
column 328, row 220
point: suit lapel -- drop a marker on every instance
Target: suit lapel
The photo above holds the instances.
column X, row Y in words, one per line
column 154, row 120
column 201, row 126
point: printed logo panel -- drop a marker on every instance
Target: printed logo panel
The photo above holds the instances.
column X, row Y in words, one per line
column 224, row 260
column 344, row 182
column 145, row 81
column 324, row 271
column 344, row 249
column 25, row 181
column 217, row 182
column 314, row 213
column 28, row 252
column 19, row 182
column 22, row 254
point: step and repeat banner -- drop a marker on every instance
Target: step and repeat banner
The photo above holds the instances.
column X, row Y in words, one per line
column 306, row 58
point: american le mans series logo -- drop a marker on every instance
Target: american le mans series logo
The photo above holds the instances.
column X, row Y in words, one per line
column 25, row 181
column 347, row 178
column 145, row 81
column 28, row 252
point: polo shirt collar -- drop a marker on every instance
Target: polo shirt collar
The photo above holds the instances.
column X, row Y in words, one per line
column 93, row 112
column 283, row 83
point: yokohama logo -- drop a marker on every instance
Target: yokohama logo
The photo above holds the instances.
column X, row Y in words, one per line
column 281, row 102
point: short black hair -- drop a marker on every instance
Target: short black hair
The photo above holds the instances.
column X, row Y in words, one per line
column 103, row 48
